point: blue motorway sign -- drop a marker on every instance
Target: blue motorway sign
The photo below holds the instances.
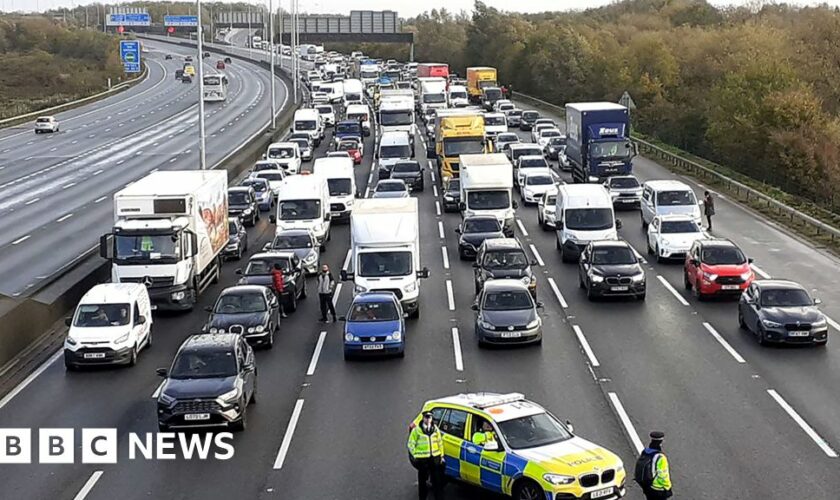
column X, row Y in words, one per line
column 130, row 55
column 129, row 20
column 180, row 20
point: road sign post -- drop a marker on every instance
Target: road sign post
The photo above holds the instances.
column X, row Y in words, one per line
column 628, row 103
column 130, row 55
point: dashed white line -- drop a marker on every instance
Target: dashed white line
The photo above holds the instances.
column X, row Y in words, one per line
column 557, row 293
column 100, row 199
column 120, row 162
column 434, row 190
column 98, row 172
column 537, row 255
column 316, row 354
column 440, row 229
column 336, row 293
column 347, row 260
column 64, row 217
column 828, row 450
column 586, row 348
column 522, row 227
column 86, row 489
column 449, row 295
column 287, row 438
column 625, row 421
column 173, row 160
column 33, row 200
column 367, row 191
column 759, row 271
column 731, row 350
column 17, row 242
column 66, row 186
column 445, row 257
column 456, row 346
column 437, row 208
column 672, row 290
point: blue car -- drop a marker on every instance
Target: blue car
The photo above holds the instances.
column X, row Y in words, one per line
column 265, row 197
column 374, row 325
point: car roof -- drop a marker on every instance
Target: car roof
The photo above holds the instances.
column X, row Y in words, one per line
column 112, row 293
column 532, row 172
column 675, row 217
column 497, row 407
column 243, row 289
column 523, row 145
column 610, row 243
column 210, row 341
column 502, row 243
column 661, row 185
column 375, row 296
column 272, row 255
column 238, row 189
column 391, row 181
column 481, row 217
column 293, row 232
column 717, row 242
column 531, row 157
column 786, row 284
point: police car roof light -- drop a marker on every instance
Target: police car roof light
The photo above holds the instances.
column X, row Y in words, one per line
column 500, row 400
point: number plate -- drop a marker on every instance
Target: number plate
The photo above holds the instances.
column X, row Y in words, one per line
column 372, row 347
column 94, row 355
column 511, row 335
column 197, row 416
column 799, row 333
column 730, row 287
column 601, row 493
column 619, row 288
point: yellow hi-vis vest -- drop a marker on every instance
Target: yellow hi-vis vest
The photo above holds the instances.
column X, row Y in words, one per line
column 423, row 445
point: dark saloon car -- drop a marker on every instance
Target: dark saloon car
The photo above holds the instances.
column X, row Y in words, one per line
column 778, row 311
column 238, row 241
column 300, row 241
column 506, row 313
column 528, row 119
column 473, row 231
column 500, row 258
column 409, row 172
column 249, row 310
column 611, row 268
column 451, row 194
column 258, row 272
column 262, row 189
column 242, row 203
column 211, row 382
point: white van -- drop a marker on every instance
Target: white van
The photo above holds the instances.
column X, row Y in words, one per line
column 341, row 183
column 303, row 202
column 583, row 213
column 393, row 147
column 112, row 323
column 286, row 154
column 458, row 96
column 667, row 197
column 335, row 91
column 360, row 112
column 353, row 91
column 308, row 120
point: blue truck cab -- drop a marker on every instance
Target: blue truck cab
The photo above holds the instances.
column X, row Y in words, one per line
column 598, row 141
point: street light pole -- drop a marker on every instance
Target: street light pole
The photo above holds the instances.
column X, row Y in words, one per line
column 295, row 66
column 273, row 52
column 202, row 142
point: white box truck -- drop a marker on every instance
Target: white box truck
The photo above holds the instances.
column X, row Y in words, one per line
column 385, row 245
column 303, row 202
column 486, row 187
column 169, row 232
column 396, row 112
column 432, row 93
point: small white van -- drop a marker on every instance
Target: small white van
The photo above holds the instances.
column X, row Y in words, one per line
column 111, row 324
column 303, row 202
column 360, row 112
column 583, row 213
column 667, row 197
column 308, row 120
column 341, row 183
column 393, row 147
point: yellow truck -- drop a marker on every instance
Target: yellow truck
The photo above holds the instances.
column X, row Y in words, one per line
column 478, row 78
column 458, row 132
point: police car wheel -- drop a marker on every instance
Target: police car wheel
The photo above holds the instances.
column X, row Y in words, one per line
column 527, row 490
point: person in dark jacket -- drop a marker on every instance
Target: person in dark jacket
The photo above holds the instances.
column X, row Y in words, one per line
column 326, row 288
column 652, row 471
column 279, row 281
column 708, row 207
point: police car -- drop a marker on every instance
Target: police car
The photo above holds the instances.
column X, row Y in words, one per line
column 533, row 454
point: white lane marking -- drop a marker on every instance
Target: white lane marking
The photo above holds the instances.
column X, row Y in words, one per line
column 625, row 421
column 445, row 257
column 824, row 446
column 537, row 255
column 449, row 295
column 759, row 271
column 347, row 260
column 440, row 229
column 833, row 323
column 74, row 142
column 456, row 345
column 28, row 380
column 33, row 200
column 731, row 350
column 672, row 290
column 120, row 162
column 434, row 190
column 173, row 160
column 64, row 217
column 27, row 158
column 432, row 173
column 522, row 227
column 157, row 390
column 91, row 482
column 68, row 185
column 98, row 172
column 336, row 293
column 317, row 354
column 437, row 208
column 586, row 348
column 21, row 239
column 557, row 293
column 287, row 438
column 367, row 191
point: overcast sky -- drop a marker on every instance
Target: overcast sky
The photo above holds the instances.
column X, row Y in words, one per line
column 405, row 8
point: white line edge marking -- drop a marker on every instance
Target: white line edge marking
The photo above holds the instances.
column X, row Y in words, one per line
column 86, row 489
column 557, row 293
column 28, row 380
column 64, row 217
column 537, row 255
column 625, row 421
column 828, row 450
column 672, row 290
column 33, row 200
column 759, row 271
column 585, row 344
column 336, row 293
column 316, row 354
column 434, row 190
column 833, row 323
column 347, row 260
column 440, row 229
column 731, row 350
column 100, row 199
column 287, row 438
column 437, row 208
column 456, row 346
column 521, row 227
column 21, row 239
column 367, row 191
column 157, row 390
column 445, row 257
column 449, row 295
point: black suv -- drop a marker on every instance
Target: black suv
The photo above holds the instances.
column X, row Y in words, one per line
column 258, row 272
column 611, row 267
column 210, row 383
column 499, row 258
column 409, row 172
column 473, row 231
column 242, row 203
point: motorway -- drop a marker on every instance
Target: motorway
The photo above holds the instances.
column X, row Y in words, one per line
column 58, row 187
column 669, row 363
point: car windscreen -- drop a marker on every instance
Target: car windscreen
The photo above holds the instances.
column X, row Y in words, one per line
column 434, row 98
column 505, row 259
column 43, row 120
column 204, row 364
column 507, row 138
column 348, row 128
column 530, row 116
column 454, row 185
column 300, row 209
column 539, row 180
column 305, row 125
column 492, row 121
column 385, row 264
column 257, row 185
column 407, row 167
column 514, row 112
column 389, row 118
column 458, row 95
column 624, row 182
column 281, row 153
column 303, row 144
column 533, row 431
column 291, row 241
column 348, row 146
column 397, row 151
column 233, row 229
column 325, row 110
column 339, row 187
column 529, row 151
column 674, row 198
column 146, row 247
column 507, row 300
column 96, row 315
column 240, row 303
column 589, row 219
column 492, row 94
column 271, row 176
column 387, row 187
column 238, row 198
column 482, row 226
column 558, row 140
column 785, row 297
column 488, row 200
column 357, row 116
column 679, row 226
column 613, row 256
column 455, row 147
column 722, row 256
column 533, row 163
column 550, row 133
column 261, row 267
column 373, row 311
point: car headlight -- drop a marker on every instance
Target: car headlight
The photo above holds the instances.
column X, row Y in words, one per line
column 311, row 257
column 747, row 275
column 771, row 324
column 216, row 330
column 348, row 337
column 397, row 335
column 259, row 328
column 571, row 237
column 360, row 289
column 247, row 211
column 448, row 197
column 595, row 278
column 638, row 277
column 411, row 287
column 231, row 396
column 819, row 323
column 709, row 276
column 121, row 339
column 250, row 329
column 178, row 295
column 558, row 479
column 533, row 324
column 526, row 280
column 165, row 398
column 486, row 325
column 71, row 340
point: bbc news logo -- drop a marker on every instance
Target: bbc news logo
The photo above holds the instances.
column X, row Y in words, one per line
column 102, row 446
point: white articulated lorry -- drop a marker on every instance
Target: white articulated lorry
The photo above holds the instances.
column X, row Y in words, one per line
column 385, row 244
column 169, row 232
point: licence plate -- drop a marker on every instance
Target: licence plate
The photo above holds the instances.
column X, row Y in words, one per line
column 601, row 493
column 372, row 347
column 94, row 355
column 619, row 288
column 511, row 335
column 730, row 287
column 197, row 416
column 799, row 333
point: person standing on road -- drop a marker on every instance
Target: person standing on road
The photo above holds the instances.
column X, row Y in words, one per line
column 708, row 207
column 425, row 448
column 326, row 287
column 279, row 281
column 651, row 471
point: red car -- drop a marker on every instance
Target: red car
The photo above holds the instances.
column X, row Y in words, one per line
column 717, row 267
column 220, row 65
column 352, row 148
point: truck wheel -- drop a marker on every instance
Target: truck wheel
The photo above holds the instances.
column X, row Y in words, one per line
column 415, row 314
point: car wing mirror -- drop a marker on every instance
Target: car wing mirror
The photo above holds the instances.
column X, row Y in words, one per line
column 272, row 218
column 534, row 262
column 515, row 204
column 540, row 305
column 68, row 321
column 474, row 307
column 458, row 230
column 750, row 260
column 475, row 265
column 141, row 320
column 208, row 309
column 817, row 302
column 162, row 372
column 424, row 273
column 238, row 271
column 618, row 223
column 570, row 426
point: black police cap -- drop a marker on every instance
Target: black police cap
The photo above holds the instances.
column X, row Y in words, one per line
column 657, row 435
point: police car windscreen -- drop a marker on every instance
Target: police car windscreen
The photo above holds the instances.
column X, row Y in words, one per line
column 533, row 431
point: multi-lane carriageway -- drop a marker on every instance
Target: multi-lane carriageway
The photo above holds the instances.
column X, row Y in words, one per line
column 741, row 421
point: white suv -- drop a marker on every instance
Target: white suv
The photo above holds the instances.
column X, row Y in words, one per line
column 46, row 124
column 671, row 236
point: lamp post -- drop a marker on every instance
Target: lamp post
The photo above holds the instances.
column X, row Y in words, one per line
column 202, row 141
column 271, row 48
